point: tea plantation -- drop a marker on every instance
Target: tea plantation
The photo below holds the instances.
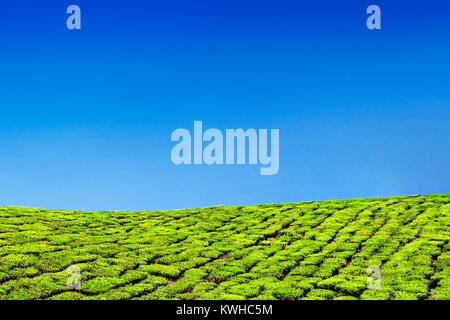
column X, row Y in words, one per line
column 306, row 250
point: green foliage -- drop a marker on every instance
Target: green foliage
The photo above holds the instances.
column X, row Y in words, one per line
column 288, row 251
column 288, row 293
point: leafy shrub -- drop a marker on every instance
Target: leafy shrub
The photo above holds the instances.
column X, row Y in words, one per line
column 306, row 250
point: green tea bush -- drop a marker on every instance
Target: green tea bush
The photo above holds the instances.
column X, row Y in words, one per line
column 306, row 250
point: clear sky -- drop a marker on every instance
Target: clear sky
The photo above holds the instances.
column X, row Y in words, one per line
column 86, row 116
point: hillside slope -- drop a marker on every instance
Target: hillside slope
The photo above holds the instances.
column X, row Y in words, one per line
column 307, row 250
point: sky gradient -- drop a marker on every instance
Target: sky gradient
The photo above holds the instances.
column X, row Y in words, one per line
column 87, row 115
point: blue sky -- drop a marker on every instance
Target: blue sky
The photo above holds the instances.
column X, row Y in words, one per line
column 86, row 116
